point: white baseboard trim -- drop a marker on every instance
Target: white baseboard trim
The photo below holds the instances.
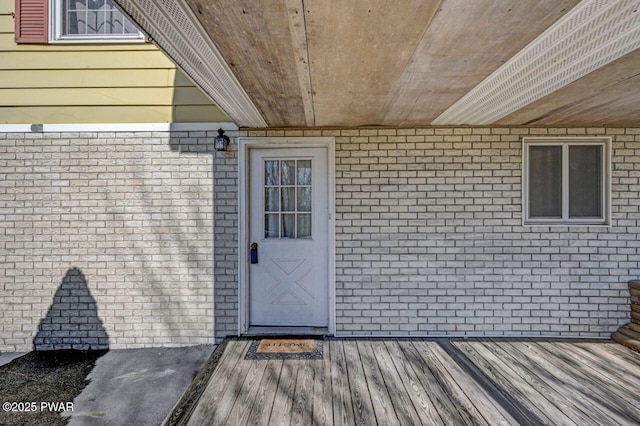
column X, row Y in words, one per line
column 116, row 127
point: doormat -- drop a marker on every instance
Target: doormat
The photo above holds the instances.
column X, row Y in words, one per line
column 285, row 349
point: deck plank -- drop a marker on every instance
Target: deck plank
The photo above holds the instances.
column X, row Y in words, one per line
column 492, row 412
column 422, row 401
column 596, row 378
column 466, row 409
column 380, row 398
column 362, row 406
column 415, row 381
column 582, row 389
column 599, row 363
column 283, row 400
column 508, row 383
column 445, row 406
column 219, row 395
column 303, row 396
column 549, row 385
column 402, row 403
column 622, row 351
column 603, row 351
column 322, row 395
column 261, row 409
column 342, row 405
column 247, row 396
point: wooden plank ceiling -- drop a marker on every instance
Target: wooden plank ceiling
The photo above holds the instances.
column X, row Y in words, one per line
column 350, row 63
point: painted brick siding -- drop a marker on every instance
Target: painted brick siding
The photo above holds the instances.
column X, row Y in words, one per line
column 130, row 239
column 430, row 238
column 107, row 239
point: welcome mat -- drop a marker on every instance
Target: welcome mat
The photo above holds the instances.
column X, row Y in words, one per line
column 285, row 349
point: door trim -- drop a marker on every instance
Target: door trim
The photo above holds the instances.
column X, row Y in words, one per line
column 245, row 144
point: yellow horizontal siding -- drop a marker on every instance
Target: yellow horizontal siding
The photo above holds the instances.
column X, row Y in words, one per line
column 106, row 114
column 7, row 24
column 93, row 83
column 29, row 79
column 198, row 113
column 181, row 79
column 189, row 96
column 7, row 6
column 77, row 114
column 104, row 96
column 52, row 60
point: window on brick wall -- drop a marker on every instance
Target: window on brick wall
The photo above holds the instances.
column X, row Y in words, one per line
column 566, row 181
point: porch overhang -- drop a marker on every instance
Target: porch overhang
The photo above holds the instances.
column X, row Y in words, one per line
column 336, row 63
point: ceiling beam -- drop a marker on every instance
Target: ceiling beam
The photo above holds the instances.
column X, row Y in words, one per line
column 298, row 29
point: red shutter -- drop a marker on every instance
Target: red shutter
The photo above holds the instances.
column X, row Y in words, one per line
column 32, row 19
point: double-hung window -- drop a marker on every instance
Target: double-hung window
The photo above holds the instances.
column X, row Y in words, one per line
column 90, row 21
column 566, row 181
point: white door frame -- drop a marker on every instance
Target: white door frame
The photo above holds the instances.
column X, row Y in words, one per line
column 245, row 144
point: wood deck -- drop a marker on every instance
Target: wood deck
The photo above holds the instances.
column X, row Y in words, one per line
column 431, row 382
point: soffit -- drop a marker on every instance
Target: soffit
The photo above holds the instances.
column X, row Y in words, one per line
column 609, row 96
column 465, row 43
column 308, row 63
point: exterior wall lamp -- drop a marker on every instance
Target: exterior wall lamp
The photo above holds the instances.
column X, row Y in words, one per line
column 221, row 141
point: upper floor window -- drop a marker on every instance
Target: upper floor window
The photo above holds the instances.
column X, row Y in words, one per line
column 566, row 181
column 90, row 21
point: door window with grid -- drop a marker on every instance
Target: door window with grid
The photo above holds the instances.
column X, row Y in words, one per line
column 287, row 198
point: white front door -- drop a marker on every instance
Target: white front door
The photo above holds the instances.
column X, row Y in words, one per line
column 289, row 223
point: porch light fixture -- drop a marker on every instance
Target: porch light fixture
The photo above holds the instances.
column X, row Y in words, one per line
column 221, row 141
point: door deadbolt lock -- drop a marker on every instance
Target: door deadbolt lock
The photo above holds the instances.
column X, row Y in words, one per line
column 254, row 253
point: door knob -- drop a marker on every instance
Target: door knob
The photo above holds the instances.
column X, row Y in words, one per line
column 254, row 253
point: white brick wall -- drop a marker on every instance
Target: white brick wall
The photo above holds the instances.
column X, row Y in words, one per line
column 429, row 238
column 430, row 242
column 133, row 212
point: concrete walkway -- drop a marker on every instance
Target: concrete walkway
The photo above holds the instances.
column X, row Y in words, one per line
column 137, row 386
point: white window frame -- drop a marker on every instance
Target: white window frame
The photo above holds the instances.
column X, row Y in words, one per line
column 56, row 36
column 565, row 143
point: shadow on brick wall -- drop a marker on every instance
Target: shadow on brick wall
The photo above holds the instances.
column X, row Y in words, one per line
column 72, row 321
column 225, row 223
